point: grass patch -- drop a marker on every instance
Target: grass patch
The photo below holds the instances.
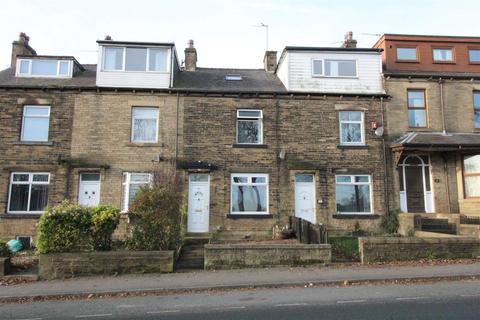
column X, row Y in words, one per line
column 344, row 248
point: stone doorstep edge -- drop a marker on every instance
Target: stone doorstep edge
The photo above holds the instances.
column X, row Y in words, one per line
column 185, row 290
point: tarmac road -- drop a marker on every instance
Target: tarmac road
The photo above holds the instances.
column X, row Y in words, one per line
column 441, row 300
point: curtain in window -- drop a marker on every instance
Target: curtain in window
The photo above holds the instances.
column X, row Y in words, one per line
column 19, row 197
column 158, row 60
column 144, row 130
column 38, row 197
column 249, row 198
column 248, row 131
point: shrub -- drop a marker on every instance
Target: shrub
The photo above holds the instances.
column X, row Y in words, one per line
column 63, row 228
column 157, row 214
column 390, row 221
column 104, row 221
column 4, row 251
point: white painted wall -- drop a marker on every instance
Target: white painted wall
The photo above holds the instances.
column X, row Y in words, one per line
column 296, row 73
column 133, row 79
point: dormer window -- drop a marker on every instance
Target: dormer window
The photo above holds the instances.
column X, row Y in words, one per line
column 52, row 68
column 135, row 59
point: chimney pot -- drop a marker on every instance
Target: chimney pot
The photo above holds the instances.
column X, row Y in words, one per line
column 107, row 37
column 190, row 56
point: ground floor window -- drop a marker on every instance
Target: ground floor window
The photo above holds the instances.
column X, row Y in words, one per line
column 353, row 194
column 132, row 182
column 249, row 194
column 28, row 192
column 471, row 175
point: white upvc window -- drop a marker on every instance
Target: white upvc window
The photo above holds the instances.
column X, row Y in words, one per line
column 144, row 125
column 132, row 182
column 35, row 123
column 47, row 68
column 353, row 194
column 352, row 131
column 442, row 54
column 336, row 68
column 249, row 126
column 135, row 59
column 249, row 193
column 28, row 192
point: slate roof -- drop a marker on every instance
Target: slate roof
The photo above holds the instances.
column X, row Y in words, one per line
column 437, row 141
column 82, row 79
column 213, row 79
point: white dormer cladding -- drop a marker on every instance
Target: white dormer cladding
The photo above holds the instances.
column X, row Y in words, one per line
column 44, row 67
column 135, row 64
column 331, row 71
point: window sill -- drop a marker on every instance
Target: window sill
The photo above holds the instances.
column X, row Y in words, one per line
column 355, row 216
column 352, row 146
column 20, row 215
column 444, row 62
column 33, row 143
column 251, row 146
column 143, row 144
column 407, row 61
column 249, row 216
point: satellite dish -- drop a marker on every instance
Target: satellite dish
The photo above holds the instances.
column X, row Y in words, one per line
column 379, row 131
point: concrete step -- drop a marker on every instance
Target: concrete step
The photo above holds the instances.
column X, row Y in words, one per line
column 469, row 230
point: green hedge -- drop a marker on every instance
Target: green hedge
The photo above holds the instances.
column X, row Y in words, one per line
column 4, row 251
column 70, row 227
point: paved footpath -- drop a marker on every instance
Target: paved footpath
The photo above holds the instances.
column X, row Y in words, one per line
column 229, row 279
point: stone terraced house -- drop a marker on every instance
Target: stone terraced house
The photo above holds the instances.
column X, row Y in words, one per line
column 434, row 125
column 301, row 137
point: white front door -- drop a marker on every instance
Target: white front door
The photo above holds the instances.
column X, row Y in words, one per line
column 198, row 202
column 305, row 197
column 89, row 189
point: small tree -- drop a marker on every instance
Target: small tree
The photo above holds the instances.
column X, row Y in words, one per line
column 157, row 212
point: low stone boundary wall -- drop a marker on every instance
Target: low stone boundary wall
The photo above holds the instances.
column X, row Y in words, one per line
column 233, row 256
column 381, row 249
column 65, row 265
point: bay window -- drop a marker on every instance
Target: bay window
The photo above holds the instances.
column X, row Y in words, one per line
column 353, row 194
column 249, row 193
column 28, row 192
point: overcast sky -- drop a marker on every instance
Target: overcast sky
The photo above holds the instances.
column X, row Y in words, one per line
column 224, row 31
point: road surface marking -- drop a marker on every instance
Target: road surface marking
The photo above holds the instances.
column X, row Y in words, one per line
column 470, row 295
column 162, row 311
column 291, row 304
column 351, row 301
column 229, row 308
column 130, row 305
column 94, row 315
column 410, row 298
column 29, row 319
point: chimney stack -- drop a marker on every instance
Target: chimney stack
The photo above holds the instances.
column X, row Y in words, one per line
column 21, row 47
column 270, row 61
column 190, row 57
column 349, row 42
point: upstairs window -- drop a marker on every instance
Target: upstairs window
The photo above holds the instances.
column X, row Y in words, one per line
column 351, row 128
column 417, row 111
column 476, row 108
column 407, row 54
column 442, row 55
column 44, row 68
column 471, row 176
column 35, row 123
column 249, row 126
column 249, row 194
column 474, row 55
column 28, row 192
column 353, row 194
column 135, row 59
column 144, row 124
column 132, row 182
column 334, row 68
